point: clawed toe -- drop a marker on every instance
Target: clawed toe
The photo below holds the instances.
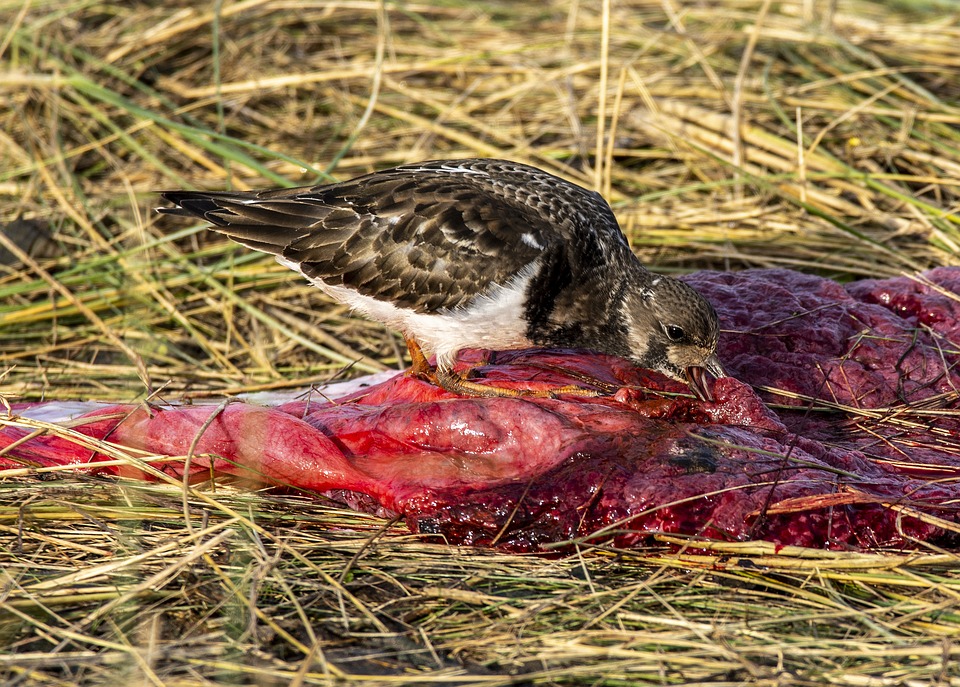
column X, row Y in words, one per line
column 464, row 384
column 455, row 383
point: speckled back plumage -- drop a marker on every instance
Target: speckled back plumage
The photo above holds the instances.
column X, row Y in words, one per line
column 426, row 236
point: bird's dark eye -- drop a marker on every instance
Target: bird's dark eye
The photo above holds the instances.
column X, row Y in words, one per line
column 673, row 332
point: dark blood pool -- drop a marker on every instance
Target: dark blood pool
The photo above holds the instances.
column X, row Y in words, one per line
column 839, row 427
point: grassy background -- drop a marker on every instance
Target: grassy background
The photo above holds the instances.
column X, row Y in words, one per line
column 817, row 135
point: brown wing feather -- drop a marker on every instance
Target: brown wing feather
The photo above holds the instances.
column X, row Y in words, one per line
column 425, row 236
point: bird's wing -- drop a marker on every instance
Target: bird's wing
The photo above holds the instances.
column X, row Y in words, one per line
column 425, row 237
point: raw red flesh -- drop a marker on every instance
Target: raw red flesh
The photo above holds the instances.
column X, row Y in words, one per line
column 525, row 473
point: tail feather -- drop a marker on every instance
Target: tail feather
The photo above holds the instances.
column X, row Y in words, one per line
column 234, row 216
column 192, row 204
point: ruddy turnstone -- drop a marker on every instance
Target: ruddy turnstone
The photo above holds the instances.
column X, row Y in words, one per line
column 476, row 253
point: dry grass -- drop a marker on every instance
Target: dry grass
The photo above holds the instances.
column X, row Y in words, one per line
column 727, row 134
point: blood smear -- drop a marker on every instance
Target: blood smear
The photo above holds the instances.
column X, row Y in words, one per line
column 839, row 428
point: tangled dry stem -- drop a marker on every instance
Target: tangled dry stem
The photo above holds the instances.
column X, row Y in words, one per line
column 732, row 133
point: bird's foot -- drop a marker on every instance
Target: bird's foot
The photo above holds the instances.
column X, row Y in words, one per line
column 457, row 384
column 462, row 385
column 584, row 380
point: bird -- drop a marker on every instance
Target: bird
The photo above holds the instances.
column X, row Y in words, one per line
column 476, row 253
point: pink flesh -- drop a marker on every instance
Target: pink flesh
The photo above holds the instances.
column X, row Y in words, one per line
column 523, row 473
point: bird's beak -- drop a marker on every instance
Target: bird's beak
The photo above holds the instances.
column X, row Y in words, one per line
column 697, row 379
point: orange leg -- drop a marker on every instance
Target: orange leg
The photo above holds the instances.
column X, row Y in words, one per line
column 419, row 366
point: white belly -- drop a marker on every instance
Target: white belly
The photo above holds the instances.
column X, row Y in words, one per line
column 493, row 320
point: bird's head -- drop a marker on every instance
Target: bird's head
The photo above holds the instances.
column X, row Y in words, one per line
column 672, row 329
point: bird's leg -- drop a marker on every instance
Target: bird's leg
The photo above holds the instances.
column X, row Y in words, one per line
column 419, row 366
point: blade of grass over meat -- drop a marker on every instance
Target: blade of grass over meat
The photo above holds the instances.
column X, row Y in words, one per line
column 108, row 580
